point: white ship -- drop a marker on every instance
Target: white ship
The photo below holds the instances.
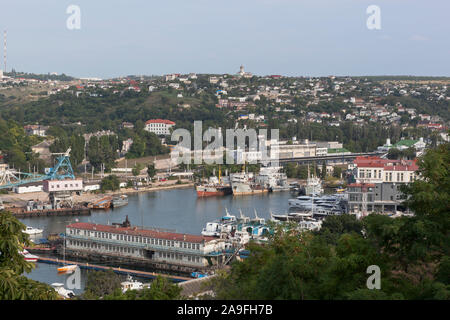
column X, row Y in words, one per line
column 313, row 185
column 244, row 184
column 131, row 284
column 32, row 231
column 272, row 178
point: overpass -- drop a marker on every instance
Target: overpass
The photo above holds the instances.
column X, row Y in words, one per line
column 332, row 158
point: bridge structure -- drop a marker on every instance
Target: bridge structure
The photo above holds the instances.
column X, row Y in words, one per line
column 10, row 178
column 330, row 159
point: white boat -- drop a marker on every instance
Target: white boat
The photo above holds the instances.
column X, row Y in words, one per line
column 272, row 178
column 32, row 231
column 313, row 185
column 212, row 229
column 131, row 284
column 63, row 292
column 28, row 256
column 225, row 224
column 120, row 201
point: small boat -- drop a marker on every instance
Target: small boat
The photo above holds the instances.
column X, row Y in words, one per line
column 32, row 231
column 67, row 268
column 63, row 292
column 120, row 201
column 131, row 284
column 198, row 275
column 28, row 256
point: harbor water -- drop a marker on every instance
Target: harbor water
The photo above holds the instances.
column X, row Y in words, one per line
column 178, row 210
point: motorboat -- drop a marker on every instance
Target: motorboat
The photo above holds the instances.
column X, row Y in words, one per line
column 28, row 257
column 131, row 284
column 63, row 292
column 224, row 224
column 32, row 231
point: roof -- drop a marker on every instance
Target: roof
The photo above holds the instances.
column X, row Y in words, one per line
column 407, row 143
column 386, row 164
column 159, row 121
column 135, row 231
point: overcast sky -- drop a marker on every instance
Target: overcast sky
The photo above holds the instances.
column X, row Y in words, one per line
column 288, row 37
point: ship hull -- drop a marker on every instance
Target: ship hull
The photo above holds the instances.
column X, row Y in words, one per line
column 243, row 189
column 212, row 191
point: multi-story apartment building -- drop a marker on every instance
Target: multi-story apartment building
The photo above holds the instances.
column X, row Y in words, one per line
column 378, row 184
column 375, row 170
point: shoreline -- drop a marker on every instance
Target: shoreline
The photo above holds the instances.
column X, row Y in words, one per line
column 14, row 200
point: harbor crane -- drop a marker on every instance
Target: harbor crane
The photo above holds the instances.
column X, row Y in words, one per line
column 10, row 178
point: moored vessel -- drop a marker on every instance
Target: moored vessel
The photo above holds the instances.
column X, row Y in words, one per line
column 120, row 201
column 214, row 187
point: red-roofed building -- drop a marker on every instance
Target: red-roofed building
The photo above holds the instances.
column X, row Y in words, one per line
column 151, row 246
column 159, row 126
column 375, row 169
column 378, row 184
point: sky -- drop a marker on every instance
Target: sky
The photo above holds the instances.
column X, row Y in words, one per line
column 286, row 37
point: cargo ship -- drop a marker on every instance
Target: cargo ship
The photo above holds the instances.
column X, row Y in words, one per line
column 214, row 187
column 245, row 184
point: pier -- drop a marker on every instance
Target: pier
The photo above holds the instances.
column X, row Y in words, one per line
column 51, row 212
column 136, row 273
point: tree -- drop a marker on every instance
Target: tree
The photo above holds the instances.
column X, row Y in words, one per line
column 110, row 182
column 13, row 285
column 151, row 171
column 101, row 283
column 412, row 252
column 136, row 169
column 337, row 172
column 324, row 170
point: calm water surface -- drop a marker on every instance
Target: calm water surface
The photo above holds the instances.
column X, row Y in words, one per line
column 177, row 209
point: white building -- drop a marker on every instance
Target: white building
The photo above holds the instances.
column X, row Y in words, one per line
column 159, row 126
column 29, row 187
column 377, row 170
column 63, row 185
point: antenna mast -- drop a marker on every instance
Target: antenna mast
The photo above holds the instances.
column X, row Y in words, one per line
column 4, row 49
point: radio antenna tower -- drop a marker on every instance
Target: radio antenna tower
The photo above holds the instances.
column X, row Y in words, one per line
column 4, row 49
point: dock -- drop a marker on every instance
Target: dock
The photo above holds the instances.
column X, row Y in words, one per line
column 52, row 212
column 136, row 273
